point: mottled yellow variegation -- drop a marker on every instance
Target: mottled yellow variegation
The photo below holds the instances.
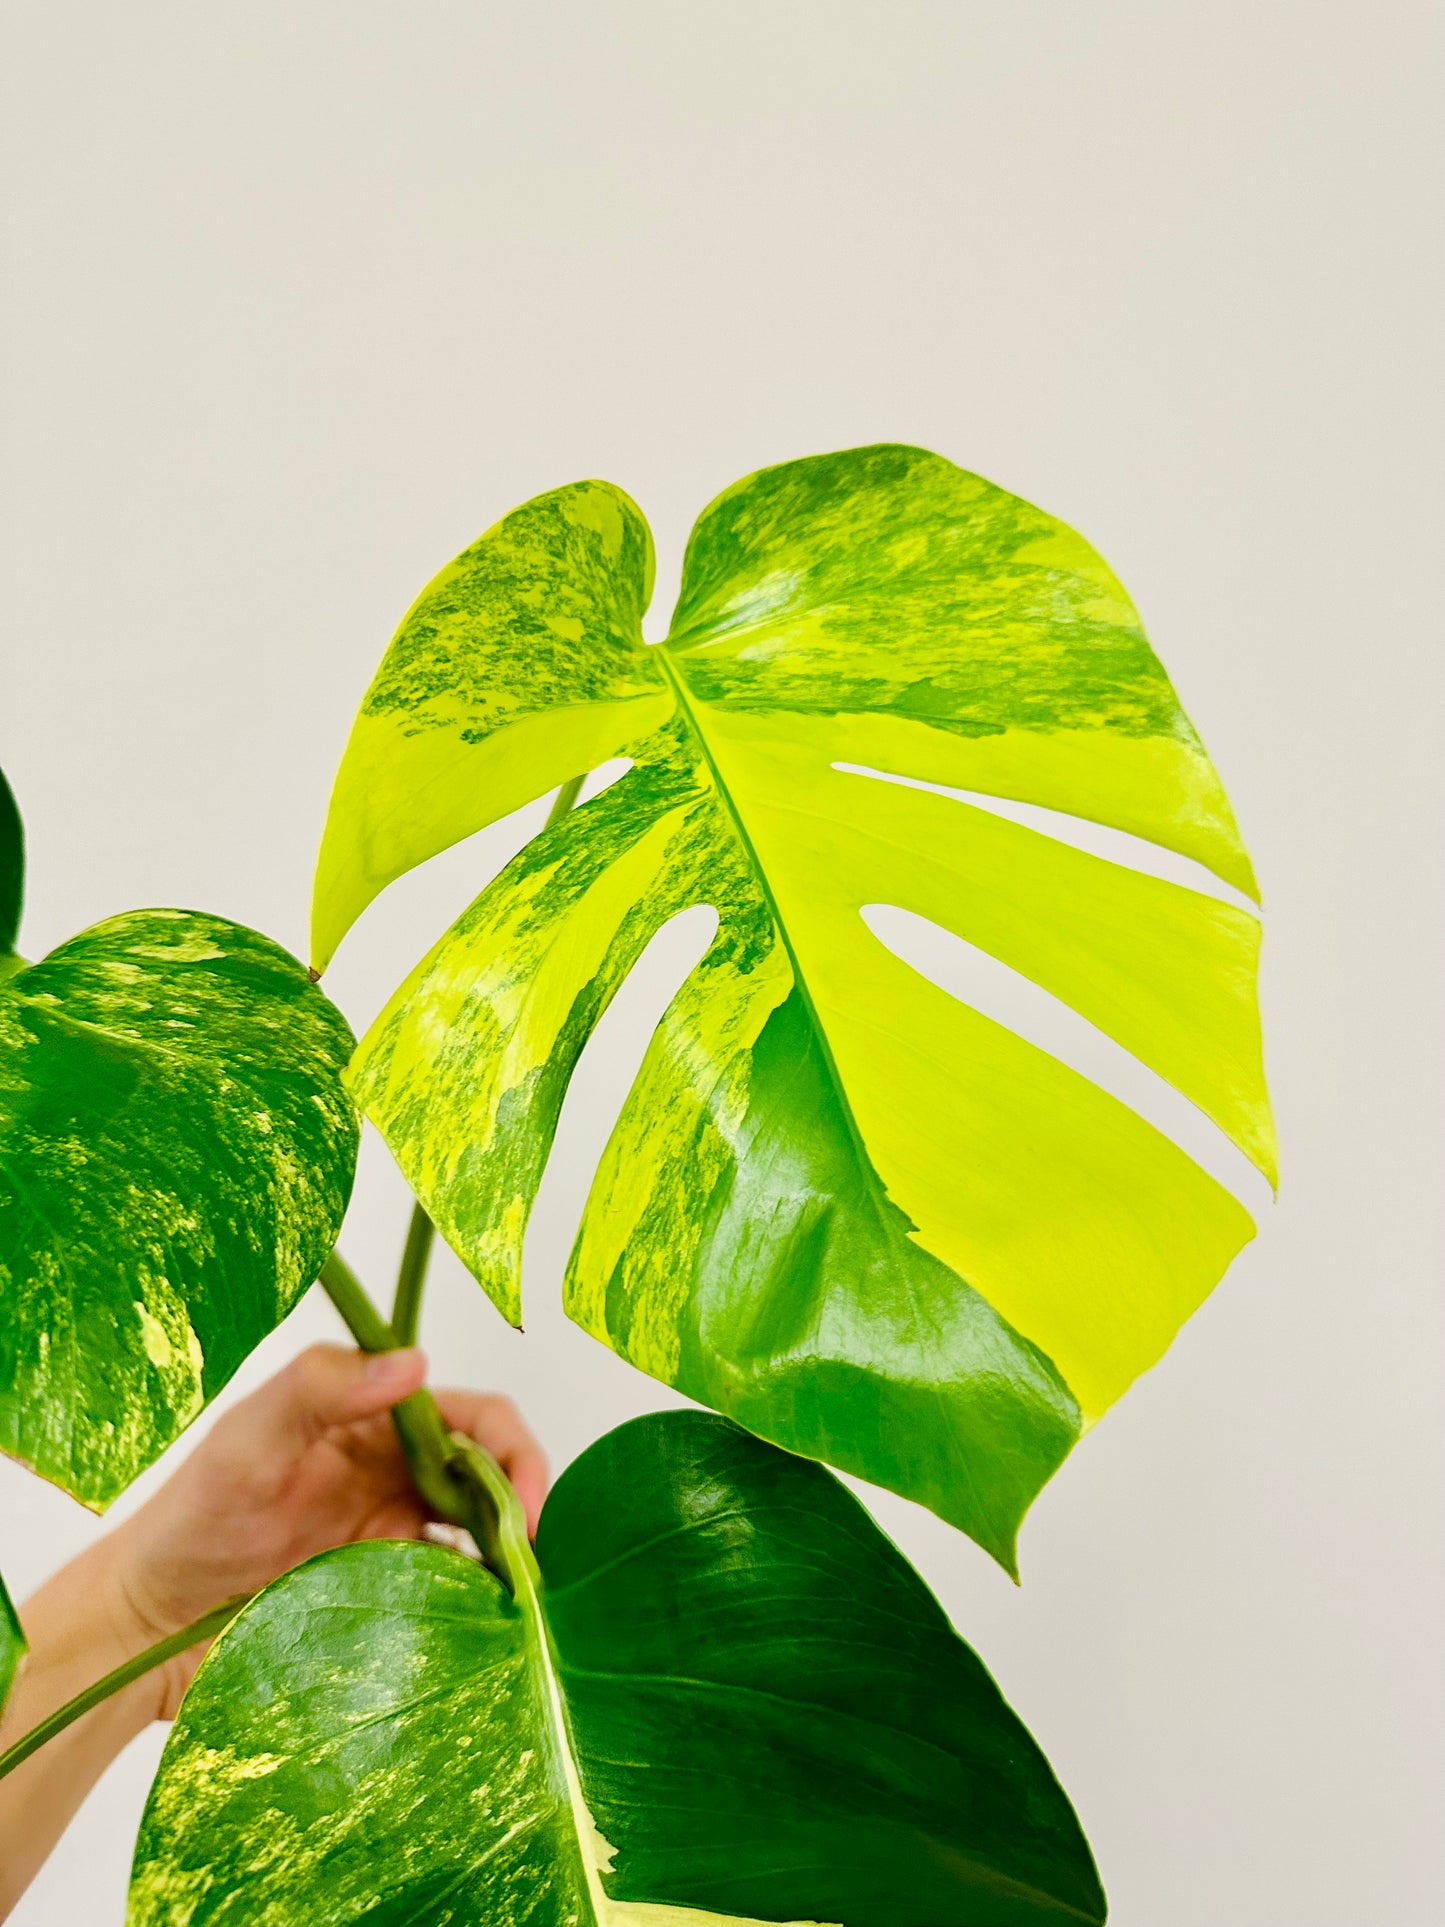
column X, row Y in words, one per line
column 839, row 1205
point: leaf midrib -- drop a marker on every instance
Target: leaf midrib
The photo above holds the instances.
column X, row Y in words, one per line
column 873, row 1183
column 992, row 1872
column 879, row 1202
column 523, row 1579
column 741, row 1689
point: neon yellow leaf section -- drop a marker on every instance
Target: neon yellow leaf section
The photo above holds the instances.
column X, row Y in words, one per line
column 519, row 666
column 955, row 632
column 470, row 1060
column 840, row 1205
column 966, row 1125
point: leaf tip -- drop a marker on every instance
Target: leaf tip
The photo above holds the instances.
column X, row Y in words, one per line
column 1001, row 1543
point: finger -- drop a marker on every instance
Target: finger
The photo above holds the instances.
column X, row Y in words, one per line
column 495, row 1422
column 400, row 1518
column 324, row 1386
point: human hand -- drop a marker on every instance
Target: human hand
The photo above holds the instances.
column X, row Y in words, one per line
column 308, row 1462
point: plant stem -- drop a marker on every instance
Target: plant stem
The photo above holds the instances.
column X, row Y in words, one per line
column 507, row 1550
column 360, row 1316
column 411, row 1277
column 418, row 1420
column 564, row 799
column 203, row 1628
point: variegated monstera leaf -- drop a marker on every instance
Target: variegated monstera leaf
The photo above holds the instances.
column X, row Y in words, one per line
column 840, row 1205
column 176, row 1153
column 725, row 1699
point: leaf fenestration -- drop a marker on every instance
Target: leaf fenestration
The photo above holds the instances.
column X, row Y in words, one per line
column 840, row 1204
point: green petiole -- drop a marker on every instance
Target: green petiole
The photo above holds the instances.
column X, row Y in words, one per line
column 429, row 1447
column 411, row 1277
column 205, row 1627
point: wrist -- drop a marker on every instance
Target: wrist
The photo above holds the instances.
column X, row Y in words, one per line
column 79, row 1627
column 108, row 1620
column 134, row 1619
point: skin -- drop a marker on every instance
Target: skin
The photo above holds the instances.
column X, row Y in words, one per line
column 308, row 1462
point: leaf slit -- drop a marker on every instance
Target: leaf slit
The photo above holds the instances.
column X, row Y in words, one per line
column 1016, row 1002
column 1130, row 852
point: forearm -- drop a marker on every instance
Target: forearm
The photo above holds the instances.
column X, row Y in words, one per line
column 80, row 1627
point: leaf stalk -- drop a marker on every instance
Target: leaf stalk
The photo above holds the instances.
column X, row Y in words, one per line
column 206, row 1627
column 419, row 1424
column 411, row 1277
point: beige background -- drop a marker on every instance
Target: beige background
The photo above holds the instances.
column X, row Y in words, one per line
column 299, row 297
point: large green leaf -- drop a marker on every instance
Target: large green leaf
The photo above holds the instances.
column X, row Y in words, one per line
column 840, row 1205
column 12, row 1640
column 176, row 1152
column 726, row 1697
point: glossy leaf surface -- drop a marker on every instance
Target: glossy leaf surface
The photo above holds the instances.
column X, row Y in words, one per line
column 729, row 1698
column 12, row 1643
column 176, row 1152
column 840, row 1205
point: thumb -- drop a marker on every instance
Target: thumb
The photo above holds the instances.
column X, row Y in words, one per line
column 325, row 1385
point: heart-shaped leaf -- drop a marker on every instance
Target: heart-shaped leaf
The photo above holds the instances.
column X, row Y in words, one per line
column 727, row 1698
column 840, row 1205
column 176, row 1153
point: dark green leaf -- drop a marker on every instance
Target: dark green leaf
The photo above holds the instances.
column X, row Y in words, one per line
column 729, row 1698
column 176, row 1153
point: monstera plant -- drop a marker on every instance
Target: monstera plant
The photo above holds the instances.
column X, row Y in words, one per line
column 867, row 1225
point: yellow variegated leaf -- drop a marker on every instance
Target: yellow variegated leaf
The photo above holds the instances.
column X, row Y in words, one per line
column 516, row 668
column 176, row 1153
column 840, row 1205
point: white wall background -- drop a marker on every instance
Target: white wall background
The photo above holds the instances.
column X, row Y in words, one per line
column 299, row 297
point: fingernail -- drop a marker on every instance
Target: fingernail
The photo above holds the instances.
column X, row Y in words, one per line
column 390, row 1368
